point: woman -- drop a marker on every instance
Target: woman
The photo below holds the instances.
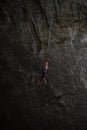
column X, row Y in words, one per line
column 44, row 73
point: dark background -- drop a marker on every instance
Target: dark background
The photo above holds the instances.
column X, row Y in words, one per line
column 24, row 32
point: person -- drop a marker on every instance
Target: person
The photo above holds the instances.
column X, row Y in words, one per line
column 44, row 72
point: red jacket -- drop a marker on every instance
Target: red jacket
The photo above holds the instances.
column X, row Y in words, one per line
column 47, row 63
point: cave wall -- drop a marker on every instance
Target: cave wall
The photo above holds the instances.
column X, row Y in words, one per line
column 24, row 33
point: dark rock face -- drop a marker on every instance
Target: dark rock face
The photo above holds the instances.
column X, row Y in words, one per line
column 24, row 33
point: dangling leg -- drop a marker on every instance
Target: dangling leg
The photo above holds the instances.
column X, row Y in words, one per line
column 42, row 78
column 40, row 81
column 45, row 80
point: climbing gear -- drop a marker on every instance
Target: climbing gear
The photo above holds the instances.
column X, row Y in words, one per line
column 44, row 73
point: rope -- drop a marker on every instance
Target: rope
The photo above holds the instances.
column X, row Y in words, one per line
column 49, row 39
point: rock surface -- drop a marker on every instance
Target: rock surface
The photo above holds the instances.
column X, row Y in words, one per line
column 24, row 33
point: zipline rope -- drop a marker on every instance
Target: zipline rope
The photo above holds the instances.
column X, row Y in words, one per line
column 49, row 39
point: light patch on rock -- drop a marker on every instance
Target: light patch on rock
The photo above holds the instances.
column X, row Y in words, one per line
column 84, row 39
